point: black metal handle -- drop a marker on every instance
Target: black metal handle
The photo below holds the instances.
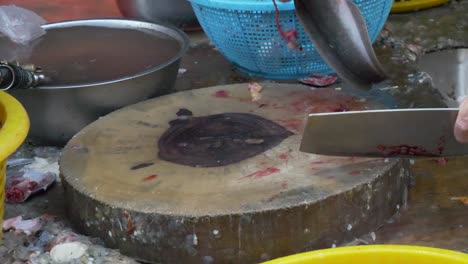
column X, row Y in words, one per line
column 15, row 77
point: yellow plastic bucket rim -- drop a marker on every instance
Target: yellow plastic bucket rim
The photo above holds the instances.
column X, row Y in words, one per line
column 15, row 125
column 353, row 250
column 415, row 5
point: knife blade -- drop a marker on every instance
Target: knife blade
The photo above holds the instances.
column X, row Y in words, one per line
column 424, row 132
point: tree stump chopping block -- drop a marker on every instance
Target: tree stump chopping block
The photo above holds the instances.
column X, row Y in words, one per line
column 227, row 183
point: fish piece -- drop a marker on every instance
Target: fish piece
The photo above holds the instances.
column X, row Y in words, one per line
column 319, row 80
column 255, row 90
column 10, row 223
column 21, row 186
column 27, row 227
column 30, row 179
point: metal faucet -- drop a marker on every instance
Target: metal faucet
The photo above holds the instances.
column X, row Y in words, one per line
column 16, row 76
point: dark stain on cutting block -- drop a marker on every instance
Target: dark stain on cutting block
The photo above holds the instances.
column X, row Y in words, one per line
column 219, row 140
column 142, row 165
column 184, row 112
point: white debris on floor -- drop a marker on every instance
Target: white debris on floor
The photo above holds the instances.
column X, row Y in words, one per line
column 34, row 237
column 44, row 240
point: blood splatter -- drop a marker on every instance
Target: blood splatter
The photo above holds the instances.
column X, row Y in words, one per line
column 150, row 178
column 262, row 173
column 319, row 162
column 14, row 195
column 441, row 145
column 441, row 161
column 294, row 124
column 404, row 150
column 278, row 106
column 355, row 172
column 341, row 108
column 221, row 94
column 323, row 101
column 283, row 156
column 130, row 224
column 284, row 185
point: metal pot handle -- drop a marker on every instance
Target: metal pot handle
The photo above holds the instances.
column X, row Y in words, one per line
column 16, row 76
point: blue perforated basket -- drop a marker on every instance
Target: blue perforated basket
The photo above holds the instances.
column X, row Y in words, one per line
column 244, row 31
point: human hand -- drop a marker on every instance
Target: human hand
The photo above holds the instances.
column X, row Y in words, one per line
column 461, row 124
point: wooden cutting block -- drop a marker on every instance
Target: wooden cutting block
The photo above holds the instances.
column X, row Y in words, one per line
column 209, row 176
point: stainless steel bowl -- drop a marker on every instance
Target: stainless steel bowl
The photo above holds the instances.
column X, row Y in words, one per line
column 174, row 12
column 59, row 112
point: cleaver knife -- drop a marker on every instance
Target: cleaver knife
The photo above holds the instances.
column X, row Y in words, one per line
column 426, row 132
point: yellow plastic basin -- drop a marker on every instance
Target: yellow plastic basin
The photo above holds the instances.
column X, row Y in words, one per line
column 401, row 6
column 14, row 127
column 376, row 254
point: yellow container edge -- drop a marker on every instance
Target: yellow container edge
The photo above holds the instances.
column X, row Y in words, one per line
column 14, row 129
column 325, row 256
column 415, row 5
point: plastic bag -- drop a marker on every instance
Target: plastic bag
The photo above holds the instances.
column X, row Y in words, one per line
column 20, row 25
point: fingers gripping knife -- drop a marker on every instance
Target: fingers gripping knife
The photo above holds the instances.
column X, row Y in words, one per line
column 16, row 76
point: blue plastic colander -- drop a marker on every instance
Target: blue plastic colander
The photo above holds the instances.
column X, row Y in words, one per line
column 244, row 31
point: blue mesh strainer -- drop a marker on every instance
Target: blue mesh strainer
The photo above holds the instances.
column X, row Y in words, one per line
column 244, row 31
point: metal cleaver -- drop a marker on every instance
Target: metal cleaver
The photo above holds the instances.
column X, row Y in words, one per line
column 426, row 132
